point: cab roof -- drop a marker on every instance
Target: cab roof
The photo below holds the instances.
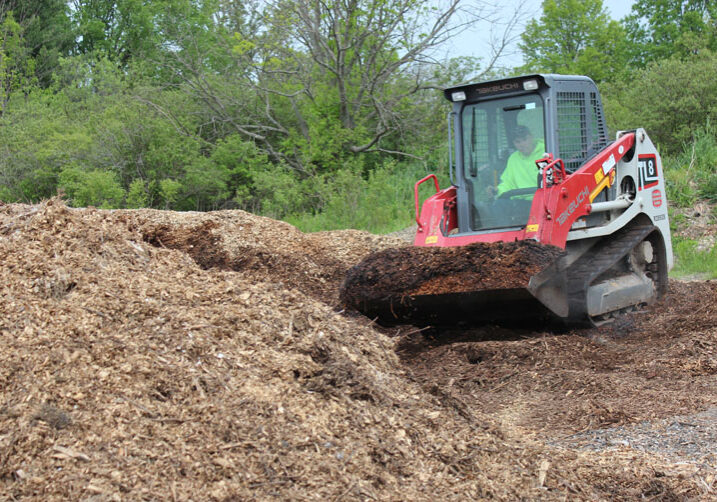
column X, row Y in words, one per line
column 479, row 90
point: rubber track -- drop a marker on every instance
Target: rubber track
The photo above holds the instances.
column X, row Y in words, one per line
column 600, row 258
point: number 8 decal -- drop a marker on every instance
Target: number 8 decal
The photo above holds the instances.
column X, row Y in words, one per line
column 647, row 171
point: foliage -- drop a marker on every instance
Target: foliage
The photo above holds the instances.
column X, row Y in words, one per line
column 692, row 174
column 381, row 203
column 681, row 188
column 671, row 99
column 47, row 32
column 665, row 28
column 318, row 82
column 117, row 29
column 137, row 196
column 241, row 161
column 574, row 37
column 91, row 188
column 17, row 68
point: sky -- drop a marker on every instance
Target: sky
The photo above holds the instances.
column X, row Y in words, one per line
column 473, row 41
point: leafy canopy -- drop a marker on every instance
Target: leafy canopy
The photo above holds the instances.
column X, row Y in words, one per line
column 659, row 29
column 574, row 37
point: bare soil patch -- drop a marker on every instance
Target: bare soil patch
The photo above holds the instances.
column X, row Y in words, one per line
column 150, row 355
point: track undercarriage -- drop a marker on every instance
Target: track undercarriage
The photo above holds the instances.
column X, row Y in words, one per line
column 617, row 274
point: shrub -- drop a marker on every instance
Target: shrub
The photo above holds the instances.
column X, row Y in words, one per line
column 379, row 202
column 692, row 174
column 91, row 188
column 137, row 196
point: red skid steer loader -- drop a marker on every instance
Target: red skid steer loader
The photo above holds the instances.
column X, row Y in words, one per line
column 545, row 216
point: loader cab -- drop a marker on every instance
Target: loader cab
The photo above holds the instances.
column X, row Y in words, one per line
column 501, row 127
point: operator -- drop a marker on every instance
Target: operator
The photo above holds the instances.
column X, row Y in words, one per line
column 520, row 170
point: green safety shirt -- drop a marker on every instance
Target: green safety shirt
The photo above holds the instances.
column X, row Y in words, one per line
column 521, row 171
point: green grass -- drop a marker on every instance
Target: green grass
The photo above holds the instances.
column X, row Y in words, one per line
column 689, row 262
column 381, row 203
column 691, row 175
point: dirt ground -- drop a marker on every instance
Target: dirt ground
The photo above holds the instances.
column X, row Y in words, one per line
column 649, row 366
column 152, row 355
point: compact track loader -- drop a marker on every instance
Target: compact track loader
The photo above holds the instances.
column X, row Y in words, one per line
column 581, row 233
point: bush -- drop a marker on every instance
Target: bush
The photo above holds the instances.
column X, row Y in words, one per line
column 381, row 202
column 280, row 192
column 692, row 174
column 169, row 191
column 137, row 196
column 91, row 188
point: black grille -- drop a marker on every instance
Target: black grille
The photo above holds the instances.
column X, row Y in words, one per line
column 572, row 129
column 598, row 129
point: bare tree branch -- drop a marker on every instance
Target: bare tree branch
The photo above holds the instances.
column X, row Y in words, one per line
column 358, row 60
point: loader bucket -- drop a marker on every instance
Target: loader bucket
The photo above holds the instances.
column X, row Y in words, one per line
column 475, row 284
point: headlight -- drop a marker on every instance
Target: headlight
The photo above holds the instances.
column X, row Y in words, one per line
column 458, row 96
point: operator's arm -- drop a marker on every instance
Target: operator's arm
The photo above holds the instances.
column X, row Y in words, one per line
column 508, row 179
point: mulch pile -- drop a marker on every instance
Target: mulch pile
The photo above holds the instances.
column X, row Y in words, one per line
column 149, row 355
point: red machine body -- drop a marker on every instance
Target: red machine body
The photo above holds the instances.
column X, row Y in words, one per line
column 557, row 204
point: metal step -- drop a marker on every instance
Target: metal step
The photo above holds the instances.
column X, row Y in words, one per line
column 619, row 293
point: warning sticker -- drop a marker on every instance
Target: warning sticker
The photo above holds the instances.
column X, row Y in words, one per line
column 608, row 164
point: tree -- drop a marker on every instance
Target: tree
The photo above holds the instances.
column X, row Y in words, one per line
column 47, row 32
column 671, row 98
column 120, row 30
column 16, row 65
column 575, row 36
column 315, row 82
column 658, row 29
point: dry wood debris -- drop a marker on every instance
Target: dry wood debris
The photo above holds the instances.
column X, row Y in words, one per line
column 149, row 355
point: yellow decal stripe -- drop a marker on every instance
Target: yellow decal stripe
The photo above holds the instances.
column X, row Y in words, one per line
column 599, row 175
column 605, row 182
